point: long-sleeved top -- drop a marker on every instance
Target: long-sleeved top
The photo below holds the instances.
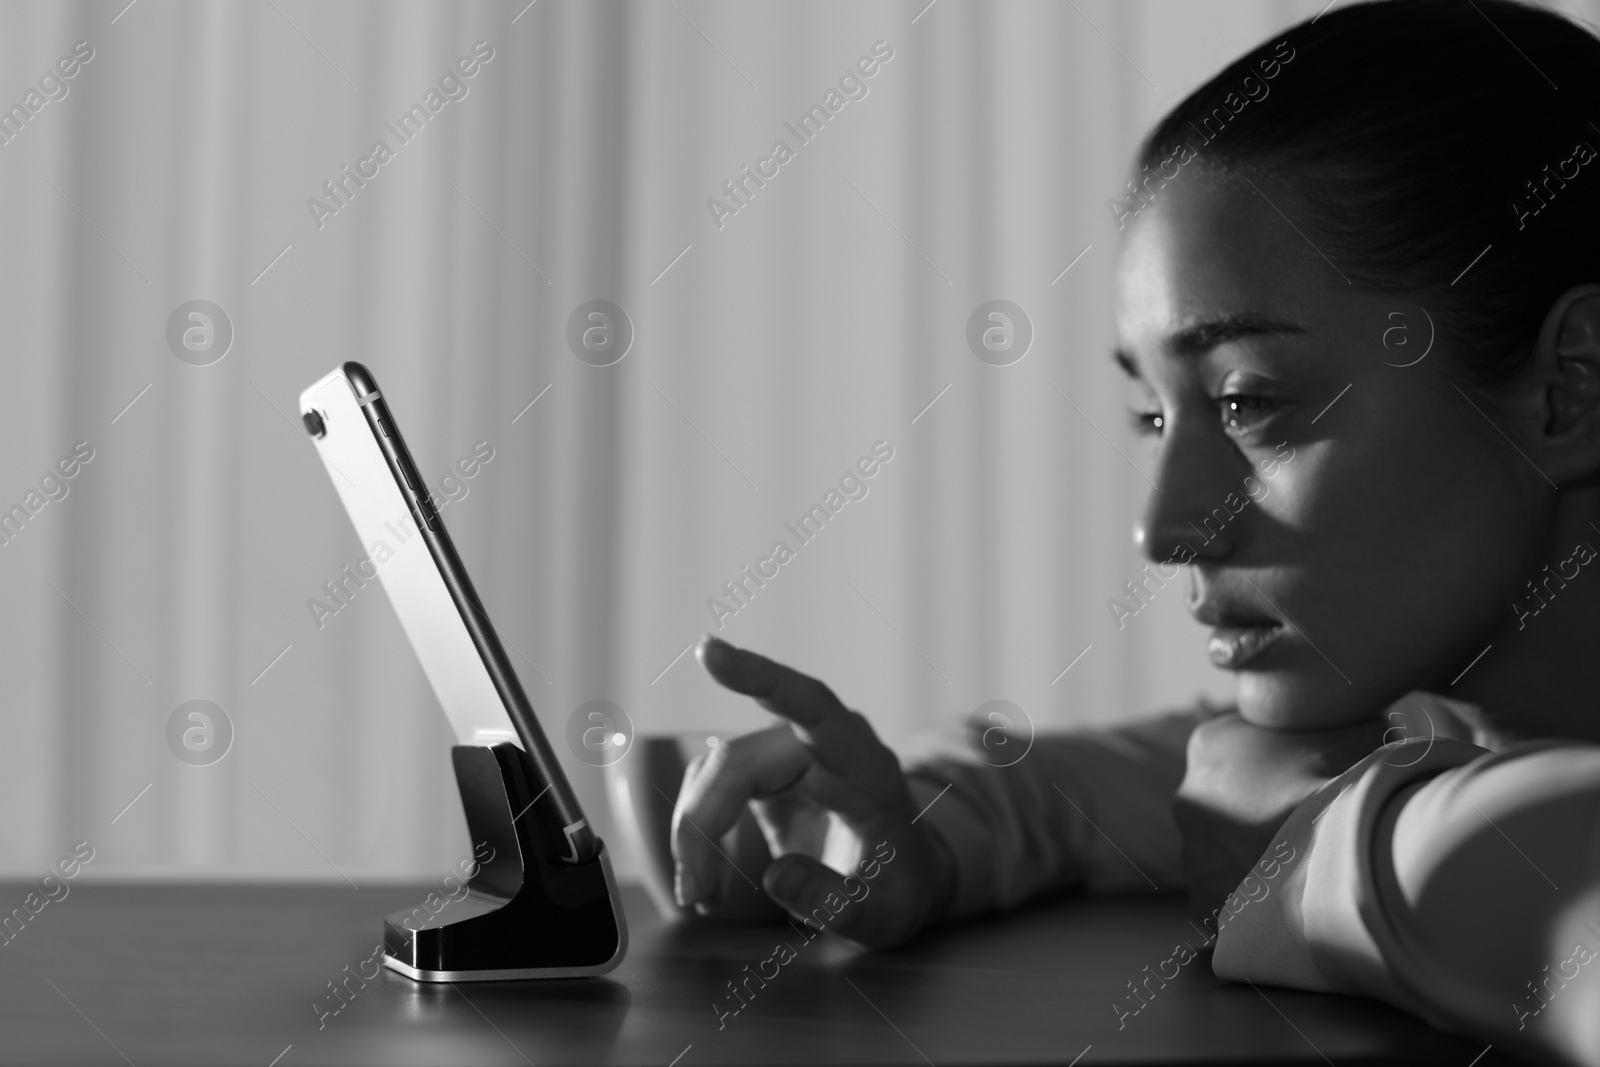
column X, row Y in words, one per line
column 1456, row 883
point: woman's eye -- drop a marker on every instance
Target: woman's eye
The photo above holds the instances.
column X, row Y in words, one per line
column 1147, row 423
column 1243, row 412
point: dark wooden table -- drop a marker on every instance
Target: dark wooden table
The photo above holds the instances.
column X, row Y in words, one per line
column 219, row 974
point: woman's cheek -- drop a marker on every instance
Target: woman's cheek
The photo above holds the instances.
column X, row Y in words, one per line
column 1289, row 494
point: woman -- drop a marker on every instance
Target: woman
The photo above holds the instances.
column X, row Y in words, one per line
column 1362, row 263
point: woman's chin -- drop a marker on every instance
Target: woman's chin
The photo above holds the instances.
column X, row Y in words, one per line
column 1291, row 700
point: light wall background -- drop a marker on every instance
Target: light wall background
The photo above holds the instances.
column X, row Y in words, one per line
column 822, row 318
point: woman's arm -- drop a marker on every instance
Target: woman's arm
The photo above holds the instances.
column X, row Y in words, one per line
column 1460, row 885
column 1089, row 810
column 876, row 854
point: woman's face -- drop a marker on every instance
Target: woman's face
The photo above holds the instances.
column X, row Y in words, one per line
column 1357, row 528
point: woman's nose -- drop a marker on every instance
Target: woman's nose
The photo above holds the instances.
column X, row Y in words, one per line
column 1194, row 508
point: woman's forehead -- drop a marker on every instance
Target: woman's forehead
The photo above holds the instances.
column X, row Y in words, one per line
column 1211, row 251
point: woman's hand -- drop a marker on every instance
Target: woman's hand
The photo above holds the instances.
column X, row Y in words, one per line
column 828, row 797
column 1242, row 782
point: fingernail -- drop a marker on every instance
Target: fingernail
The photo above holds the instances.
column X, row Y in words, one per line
column 787, row 883
column 688, row 890
column 710, row 647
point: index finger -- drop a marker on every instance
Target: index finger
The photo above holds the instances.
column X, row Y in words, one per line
column 838, row 738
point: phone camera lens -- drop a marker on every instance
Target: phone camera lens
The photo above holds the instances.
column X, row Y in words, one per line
column 314, row 424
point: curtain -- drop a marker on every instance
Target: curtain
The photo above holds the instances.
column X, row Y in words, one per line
column 227, row 153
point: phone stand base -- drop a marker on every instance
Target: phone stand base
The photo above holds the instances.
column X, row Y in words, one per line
column 527, row 914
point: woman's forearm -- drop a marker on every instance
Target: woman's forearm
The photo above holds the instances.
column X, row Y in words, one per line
column 1463, row 887
column 1090, row 809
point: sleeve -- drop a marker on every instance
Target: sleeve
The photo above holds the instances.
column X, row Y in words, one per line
column 1460, row 885
column 1087, row 810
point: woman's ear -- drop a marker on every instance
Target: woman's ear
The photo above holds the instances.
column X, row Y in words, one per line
column 1566, row 370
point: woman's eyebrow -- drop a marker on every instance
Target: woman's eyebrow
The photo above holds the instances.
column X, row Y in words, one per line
column 1124, row 359
column 1201, row 337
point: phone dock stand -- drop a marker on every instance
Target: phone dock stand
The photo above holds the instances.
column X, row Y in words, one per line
column 527, row 914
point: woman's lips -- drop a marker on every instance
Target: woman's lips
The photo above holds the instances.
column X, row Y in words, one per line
column 1232, row 647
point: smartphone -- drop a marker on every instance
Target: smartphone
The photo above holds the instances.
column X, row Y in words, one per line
column 356, row 434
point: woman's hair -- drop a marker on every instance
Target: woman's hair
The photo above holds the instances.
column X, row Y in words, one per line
column 1416, row 134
